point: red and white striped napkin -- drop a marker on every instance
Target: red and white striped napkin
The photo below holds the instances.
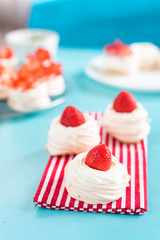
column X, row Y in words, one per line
column 52, row 193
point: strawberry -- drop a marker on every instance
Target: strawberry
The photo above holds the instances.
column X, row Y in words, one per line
column 6, row 52
column 2, row 69
column 36, row 70
column 99, row 158
column 72, row 117
column 8, row 77
column 42, row 54
column 124, row 102
column 118, row 48
column 53, row 68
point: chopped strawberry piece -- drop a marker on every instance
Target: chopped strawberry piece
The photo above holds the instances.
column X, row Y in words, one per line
column 45, row 62
column 118, row 49
column 99, row 158
column 6, row 52
column 72, row 117
column 124, row 102
column 7, row 77
column 42, row 54
column 37, row 69
column 53, row 68
column 1, row 69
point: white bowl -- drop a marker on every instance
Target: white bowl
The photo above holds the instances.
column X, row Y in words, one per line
column 24, row 41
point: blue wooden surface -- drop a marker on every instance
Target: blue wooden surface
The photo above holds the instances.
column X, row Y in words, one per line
column 93, row 23
column 23, row 159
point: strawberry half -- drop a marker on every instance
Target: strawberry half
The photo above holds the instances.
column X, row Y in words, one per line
column 72, row 117
column 6, row 52
column 2, row 69
column 124, row 102
column 118, row 48
column 42, row 54
column 99, row 158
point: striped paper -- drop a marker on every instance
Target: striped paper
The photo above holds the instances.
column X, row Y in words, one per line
column 52, row 193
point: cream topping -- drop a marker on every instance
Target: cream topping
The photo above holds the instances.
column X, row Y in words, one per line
column 67, row 140
column 56, row 85
column 29, row 100
column 3, row 92
column 127, row 127
column 5, row 77
column 93, row 186
column 124, row 65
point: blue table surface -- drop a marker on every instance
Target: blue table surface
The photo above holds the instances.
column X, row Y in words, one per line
column 23, row 159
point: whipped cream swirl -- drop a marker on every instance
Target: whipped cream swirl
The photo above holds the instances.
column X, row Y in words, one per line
column 127, row 127
column 93, row 186
column 68, row 140
column 29, row 100
column 56, row 85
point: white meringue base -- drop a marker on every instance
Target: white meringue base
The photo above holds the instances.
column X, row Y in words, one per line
column 127, row 127
column 93, row 186
column 121, row 65
column 56, row 85
column 3, row 93
column 148, row 54
column 30, row 100
column 69, row 140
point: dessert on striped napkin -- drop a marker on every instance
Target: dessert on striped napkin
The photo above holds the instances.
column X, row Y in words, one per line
column 72, row 132
column 126, row 119
column 53, row 194
column 96, row 177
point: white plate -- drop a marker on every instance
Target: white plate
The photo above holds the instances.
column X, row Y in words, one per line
column 148, row 81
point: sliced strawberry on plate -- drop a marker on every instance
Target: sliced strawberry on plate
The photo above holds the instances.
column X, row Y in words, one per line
column 42, row 54
column 1, row 69
column 8, row 77
column 53, row 68
column 118, row 48
column 6, row 52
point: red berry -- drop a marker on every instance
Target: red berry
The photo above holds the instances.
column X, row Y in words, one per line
column 118, row 48
column 99, row 158
column 42, row 54
column 124, row 102
column 6, row 52
column 53, row 68
column 72, row 117
column 2, row 69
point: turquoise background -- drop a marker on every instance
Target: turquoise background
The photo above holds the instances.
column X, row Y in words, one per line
column 93, row 23
column 23, row 159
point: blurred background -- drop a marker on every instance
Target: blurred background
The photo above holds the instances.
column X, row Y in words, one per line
column 13, row 15
column 85, row 23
